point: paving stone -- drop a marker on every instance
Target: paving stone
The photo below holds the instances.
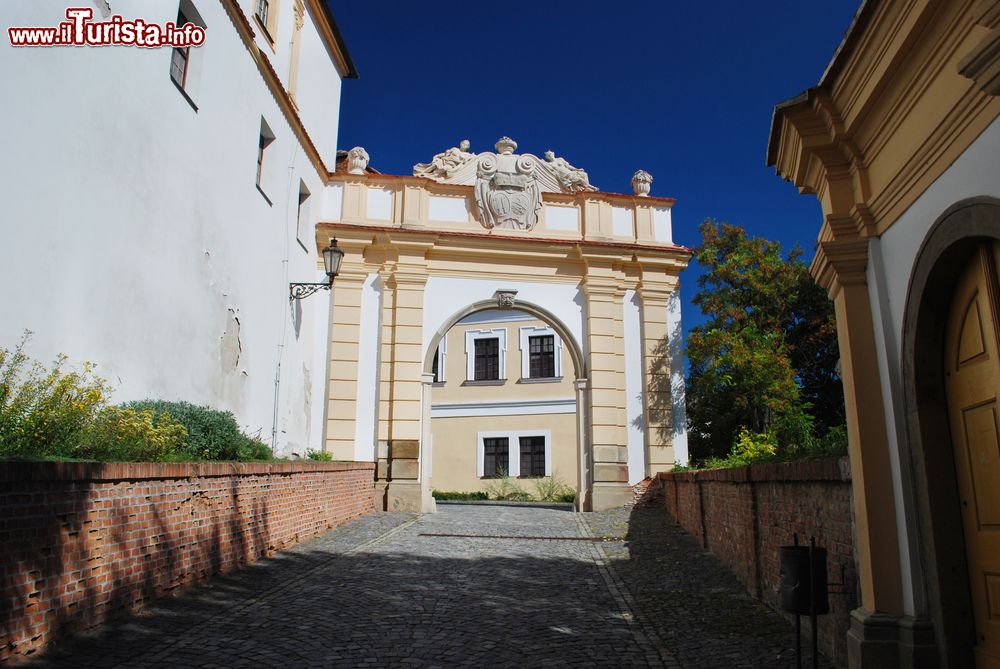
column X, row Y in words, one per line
column 380, row 592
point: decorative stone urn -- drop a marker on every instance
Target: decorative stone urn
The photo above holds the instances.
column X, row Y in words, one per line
column 506, row 146
column 641, row 183
column 357, row 160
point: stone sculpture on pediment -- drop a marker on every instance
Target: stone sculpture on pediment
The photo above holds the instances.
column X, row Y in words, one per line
column 444, row 164
column 572, row 179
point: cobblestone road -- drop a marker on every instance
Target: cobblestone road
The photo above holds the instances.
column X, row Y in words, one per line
column 444, row 590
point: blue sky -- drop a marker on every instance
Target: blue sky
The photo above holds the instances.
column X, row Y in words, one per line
column 683, row 90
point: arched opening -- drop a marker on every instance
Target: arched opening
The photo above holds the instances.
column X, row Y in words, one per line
column 504, row 407
column 953, row 241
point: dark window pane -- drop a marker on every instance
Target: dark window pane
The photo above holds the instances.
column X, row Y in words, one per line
column 262, row 11
column 532, row 456
column 495, row 457
column 434, row 367
column 487, row 359
column 179, row 58
column 541, row 357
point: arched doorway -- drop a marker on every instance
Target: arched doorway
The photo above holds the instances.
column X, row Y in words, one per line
column 949, row 314
column 972, row 386
column 506, row 402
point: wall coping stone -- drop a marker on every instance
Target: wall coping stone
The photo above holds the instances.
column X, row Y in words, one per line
column 819, row 469
column 19, row 470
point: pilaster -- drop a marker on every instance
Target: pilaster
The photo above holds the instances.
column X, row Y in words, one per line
column 877, row 544
column 655, row 294
column 605, row 337
column 344, row 349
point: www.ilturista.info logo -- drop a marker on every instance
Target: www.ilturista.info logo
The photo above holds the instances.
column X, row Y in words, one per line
column 79, row 30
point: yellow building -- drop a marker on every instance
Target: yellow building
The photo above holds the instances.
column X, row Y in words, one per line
column 432, row 264
column 501, row 403
column 900, row 141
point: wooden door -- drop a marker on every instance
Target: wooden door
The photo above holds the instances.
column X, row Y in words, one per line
column 972, row 367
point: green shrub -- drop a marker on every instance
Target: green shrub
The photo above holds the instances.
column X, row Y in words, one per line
column 551, row 489
column 751, row 447
column 463, row 496
column 319, row 456
column 44, row 412
column 505, row 488
column 126, row 434
column 567, row 497
column 831, row 444
column 212, row 434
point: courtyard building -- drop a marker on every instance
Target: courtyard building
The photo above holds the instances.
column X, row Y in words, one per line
column 900, row 142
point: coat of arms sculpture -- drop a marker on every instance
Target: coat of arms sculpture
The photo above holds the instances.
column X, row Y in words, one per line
column 508, row 187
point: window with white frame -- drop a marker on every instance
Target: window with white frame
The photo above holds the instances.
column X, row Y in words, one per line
column 266, row 13
column 485, row 354
column 521, row 453
column 541, row 353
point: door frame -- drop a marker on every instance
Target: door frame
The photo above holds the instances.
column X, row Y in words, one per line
column 953, row 239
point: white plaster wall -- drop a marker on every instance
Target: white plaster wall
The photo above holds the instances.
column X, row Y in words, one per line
column 633, row 388
column 318, row 91
column 675, row 343
column 892, row 259
column 445, row 296
column 134, row 235
column 365, row 429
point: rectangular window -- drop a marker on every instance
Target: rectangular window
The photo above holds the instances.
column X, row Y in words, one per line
column 185, row 62
column 434, row 366
column 541, row 357
column 262, row 7
column 265, row 140
column 180, row 57
column 302, row 220
column 495, row 457
column 532, row 456
column 487, row 359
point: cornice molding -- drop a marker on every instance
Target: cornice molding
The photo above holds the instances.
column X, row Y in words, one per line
column 982, row 64
column 840, row 263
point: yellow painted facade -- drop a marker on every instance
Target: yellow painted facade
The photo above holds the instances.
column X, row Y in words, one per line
column 899, row 142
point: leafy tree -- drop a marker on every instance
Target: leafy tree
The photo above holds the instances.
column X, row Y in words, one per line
column 766, row 358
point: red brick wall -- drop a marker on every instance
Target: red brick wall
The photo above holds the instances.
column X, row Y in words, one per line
column 743, row 515
column 79, row 541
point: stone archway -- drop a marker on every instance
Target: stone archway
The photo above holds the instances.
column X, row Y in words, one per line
column 945, row 252
column 600, row 268
column 583, row 479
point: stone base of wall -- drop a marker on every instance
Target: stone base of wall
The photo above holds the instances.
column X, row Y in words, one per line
column 743, row 515
column 81, row 541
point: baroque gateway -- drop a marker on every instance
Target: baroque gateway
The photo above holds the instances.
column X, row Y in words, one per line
column 566, row 354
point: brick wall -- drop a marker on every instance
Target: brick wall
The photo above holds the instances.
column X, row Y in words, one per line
column 80, row 541
column 743, row 515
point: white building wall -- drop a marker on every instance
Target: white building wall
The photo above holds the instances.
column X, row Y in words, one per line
column 134, row 235
column 634, row 400
column 318, row 91
column 892, row 258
